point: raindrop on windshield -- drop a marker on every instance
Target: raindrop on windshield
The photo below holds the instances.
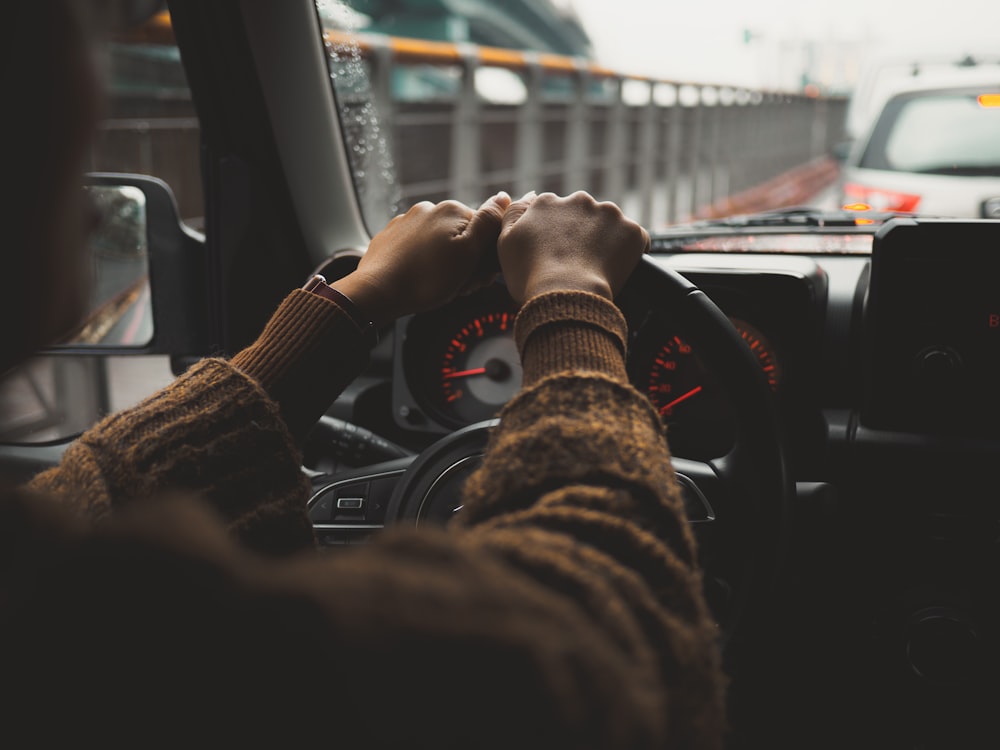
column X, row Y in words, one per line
column 368, row 148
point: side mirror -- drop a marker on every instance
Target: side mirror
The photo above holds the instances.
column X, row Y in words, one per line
column 149, row 289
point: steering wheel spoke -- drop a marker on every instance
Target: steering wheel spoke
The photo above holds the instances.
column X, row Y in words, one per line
column 699, row 483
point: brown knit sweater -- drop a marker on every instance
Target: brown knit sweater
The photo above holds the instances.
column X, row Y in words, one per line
column 161, row 586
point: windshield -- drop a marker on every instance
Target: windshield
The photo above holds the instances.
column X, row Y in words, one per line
column 675, row 113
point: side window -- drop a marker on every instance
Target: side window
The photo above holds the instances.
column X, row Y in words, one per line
column 150, row 128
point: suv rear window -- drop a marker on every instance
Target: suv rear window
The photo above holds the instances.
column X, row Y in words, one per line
column 938, row 133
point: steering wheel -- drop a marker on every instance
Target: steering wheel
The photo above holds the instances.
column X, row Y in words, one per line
column 738, row 503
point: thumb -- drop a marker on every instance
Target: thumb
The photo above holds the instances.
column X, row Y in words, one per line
column 501, row 200
column 485, row 222
column 483, row 229
column 516, row 210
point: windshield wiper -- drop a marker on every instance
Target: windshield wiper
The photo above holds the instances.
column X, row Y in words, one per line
column 796, row 216
column 963, row 171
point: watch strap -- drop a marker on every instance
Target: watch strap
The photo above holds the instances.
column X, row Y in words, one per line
column 319, row 286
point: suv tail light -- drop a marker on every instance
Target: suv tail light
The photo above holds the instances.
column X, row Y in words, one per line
column 881, row 200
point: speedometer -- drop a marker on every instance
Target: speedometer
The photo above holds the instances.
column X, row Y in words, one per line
column 677, row 383
column 461, row 362
column 480, row 371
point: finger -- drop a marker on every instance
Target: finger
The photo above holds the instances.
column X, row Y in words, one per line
column 514, row 212
column 581, row 196
column 501, row 199
column 483, row 230
column 454, row 207
column 485, row 222
column 420, row 208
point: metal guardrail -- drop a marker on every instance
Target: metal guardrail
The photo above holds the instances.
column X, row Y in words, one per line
column 676, row 150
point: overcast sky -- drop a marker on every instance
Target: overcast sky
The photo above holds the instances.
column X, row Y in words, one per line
column 703, row 40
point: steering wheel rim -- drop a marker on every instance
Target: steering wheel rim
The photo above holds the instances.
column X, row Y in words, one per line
column 750, row 487
column 748, row 491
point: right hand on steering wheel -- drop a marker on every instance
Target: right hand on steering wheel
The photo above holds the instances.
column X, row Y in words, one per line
column 574, row 243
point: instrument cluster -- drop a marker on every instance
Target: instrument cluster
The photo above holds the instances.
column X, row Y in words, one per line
column 459, row 365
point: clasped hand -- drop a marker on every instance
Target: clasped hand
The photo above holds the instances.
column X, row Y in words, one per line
column 541, row 243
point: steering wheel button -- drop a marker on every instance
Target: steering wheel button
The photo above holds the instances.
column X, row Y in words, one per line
column 321, row 510
column 350, row 502
column 379, row 496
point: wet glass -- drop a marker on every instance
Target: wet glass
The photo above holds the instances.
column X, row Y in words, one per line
column 366, row 137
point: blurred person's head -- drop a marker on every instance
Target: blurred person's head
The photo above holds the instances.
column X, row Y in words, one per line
column 52, row 88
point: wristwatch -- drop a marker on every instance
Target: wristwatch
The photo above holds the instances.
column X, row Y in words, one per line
column 318, row 286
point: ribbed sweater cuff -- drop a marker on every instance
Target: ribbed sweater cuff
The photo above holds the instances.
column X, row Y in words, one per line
column 303, row 324
column 564, row 331
column 308, row 352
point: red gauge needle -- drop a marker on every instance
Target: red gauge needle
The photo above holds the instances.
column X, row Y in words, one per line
column 689, row 394
column 465, row 373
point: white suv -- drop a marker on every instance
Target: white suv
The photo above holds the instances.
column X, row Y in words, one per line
column 931, row 145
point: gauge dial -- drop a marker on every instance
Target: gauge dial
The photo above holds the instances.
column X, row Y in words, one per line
column 688, row 396
column 678, row 384
column 762, row 350
column 480, row 370
column 461, row 362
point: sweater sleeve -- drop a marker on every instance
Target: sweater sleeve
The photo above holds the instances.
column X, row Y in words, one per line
column 562, row 607
column 577, row 491
column 225, row 430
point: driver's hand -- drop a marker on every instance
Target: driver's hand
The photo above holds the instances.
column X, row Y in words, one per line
column 550, row 243
column 427, row 257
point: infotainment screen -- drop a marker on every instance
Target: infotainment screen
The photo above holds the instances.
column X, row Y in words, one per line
column 932, row 328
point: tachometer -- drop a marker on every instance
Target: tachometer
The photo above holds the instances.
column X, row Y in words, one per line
column 763, row 350
column 688, row 396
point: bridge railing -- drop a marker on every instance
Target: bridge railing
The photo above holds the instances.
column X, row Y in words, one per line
column 665, row 150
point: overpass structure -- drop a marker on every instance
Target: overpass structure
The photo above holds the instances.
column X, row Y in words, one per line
column 511, row 24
